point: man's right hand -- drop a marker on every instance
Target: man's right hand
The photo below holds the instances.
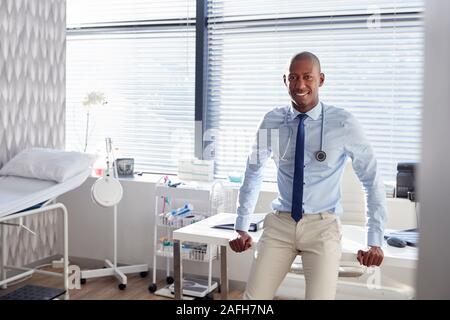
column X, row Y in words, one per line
column 242, row 242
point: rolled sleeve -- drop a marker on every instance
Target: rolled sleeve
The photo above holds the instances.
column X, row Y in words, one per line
column 249, row 190
column 365, row 166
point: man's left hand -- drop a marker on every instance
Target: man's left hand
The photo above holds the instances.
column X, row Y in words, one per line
column 372, row 257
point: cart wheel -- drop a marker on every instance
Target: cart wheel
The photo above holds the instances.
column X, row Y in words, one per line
column 122, row 286
column 82, row 281
column 209, row 296
column 152, row 287
column 143, row 274
column 169, row 280
column 218, row 289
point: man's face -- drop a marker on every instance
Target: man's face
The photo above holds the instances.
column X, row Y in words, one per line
column 303, row 81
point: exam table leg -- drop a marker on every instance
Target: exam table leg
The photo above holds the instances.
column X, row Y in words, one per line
column 3, row 261
column 66, row 251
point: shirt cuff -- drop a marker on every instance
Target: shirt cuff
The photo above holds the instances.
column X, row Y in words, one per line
column 375, row 239
column 242, row 223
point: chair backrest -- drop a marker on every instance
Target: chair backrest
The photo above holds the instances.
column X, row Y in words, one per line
column 353, row 198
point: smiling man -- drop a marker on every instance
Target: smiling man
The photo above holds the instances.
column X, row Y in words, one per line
column 314, row 142
column 303, row 79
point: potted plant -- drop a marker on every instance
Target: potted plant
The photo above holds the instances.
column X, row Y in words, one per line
column 94, row 98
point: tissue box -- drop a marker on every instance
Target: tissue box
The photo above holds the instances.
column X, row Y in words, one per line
column 195, row 169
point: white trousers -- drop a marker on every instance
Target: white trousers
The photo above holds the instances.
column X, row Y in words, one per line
column 316, row 237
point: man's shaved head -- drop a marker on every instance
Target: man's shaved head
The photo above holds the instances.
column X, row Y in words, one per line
column 304, row 55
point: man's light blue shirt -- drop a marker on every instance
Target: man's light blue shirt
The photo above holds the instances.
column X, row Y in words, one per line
column 343, row 138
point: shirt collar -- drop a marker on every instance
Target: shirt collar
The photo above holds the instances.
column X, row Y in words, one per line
column 314, row 113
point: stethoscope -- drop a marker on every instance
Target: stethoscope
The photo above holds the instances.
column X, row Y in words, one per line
column 319, row 155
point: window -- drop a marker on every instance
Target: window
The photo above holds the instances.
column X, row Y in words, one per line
column 371, row 53
column 141, row 55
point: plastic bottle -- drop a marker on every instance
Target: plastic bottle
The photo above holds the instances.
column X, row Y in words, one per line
column 99, row 166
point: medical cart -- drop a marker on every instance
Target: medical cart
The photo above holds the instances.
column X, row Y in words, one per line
column 206, row 199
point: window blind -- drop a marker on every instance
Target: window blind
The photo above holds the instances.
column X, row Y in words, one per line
column 82, row 13
column 146, row 72
column 371, row 53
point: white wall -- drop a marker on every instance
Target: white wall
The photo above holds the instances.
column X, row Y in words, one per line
column 90, row 227
column 434, row 255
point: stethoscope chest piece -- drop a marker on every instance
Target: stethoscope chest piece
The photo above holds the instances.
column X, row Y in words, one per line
column 321, row 156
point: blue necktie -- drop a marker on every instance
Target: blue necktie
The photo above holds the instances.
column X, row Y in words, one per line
column 297, row 191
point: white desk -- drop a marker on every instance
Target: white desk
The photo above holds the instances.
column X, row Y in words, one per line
column 353, row 239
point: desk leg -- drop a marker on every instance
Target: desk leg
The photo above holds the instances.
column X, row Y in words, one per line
column 223, row 272
column 178, row 270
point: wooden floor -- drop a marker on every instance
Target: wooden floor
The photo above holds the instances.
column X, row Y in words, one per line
column 106, row 288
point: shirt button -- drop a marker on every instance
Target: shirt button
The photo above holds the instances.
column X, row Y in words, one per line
column 304, row 183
